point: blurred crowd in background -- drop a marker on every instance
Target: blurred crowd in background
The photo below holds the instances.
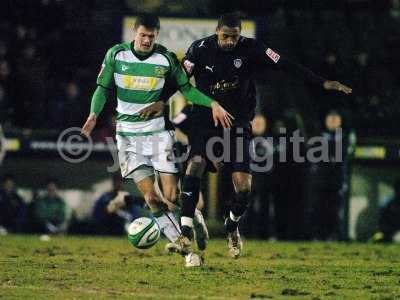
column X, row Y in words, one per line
column 278, row 211
column 51, row 51
column 48, row 213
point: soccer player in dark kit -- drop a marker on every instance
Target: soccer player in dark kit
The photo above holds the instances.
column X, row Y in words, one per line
column 223, row 66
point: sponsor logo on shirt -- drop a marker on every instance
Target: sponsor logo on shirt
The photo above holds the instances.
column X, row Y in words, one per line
column 225, row 86
column 139, row 82
column 273, row 55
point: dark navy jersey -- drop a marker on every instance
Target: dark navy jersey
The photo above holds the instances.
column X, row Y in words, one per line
column 228, row 76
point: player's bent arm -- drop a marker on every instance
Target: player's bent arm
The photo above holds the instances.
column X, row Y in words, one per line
column 194, row 95
column 99, row 98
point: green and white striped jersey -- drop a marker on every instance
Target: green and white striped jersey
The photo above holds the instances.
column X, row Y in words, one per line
column 139, row 81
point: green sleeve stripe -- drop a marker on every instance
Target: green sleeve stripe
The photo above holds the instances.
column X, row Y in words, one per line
column 139, row 97
column 195, row 96
column 133, row 118
column 122, row 133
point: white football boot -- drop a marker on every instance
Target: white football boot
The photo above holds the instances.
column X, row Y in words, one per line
column 193, row 260
column 235, row 244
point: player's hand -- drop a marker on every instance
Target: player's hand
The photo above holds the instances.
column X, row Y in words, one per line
column 89, row 125
column 220, row 115
column 337, row 86
column 156, row 110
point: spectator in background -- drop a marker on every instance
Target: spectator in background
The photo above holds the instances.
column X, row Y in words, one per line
column 278, row 209
column 329, row 181
column 389, row 217
column 3, row 49
column 12, row 207
column 31, row 75
column 258, row 217
column 6, row 109
column 66, row 110
column 49, row 211
column 111, row 220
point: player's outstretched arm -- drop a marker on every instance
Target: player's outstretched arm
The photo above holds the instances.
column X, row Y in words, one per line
column 98, row 100
column 269, row 56
column 337, row 86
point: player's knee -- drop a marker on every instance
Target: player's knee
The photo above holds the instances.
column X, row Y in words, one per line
column 242, row 185
column 170, row 195
column 241, row 182
column 196, row 166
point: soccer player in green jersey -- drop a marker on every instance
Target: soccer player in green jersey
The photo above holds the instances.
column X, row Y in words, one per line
column 139, row 71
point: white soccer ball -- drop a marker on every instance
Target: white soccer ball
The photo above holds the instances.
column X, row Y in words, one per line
column 143, row 233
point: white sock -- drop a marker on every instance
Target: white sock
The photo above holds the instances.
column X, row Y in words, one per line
column 169, row 226
column 186, row 221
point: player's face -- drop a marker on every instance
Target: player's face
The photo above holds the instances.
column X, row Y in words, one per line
column 228, row 37
column 145, row 39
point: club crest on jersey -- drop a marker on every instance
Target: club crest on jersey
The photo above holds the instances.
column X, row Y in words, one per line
column 237, row 63
column 160, row 71
column 273, row 55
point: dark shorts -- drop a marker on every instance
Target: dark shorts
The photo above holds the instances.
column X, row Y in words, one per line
column 218, row 146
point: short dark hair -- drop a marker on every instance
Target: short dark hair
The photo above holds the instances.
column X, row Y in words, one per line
column 233, row 19
column 333, row 112
column 50, row 180
column 147, row 20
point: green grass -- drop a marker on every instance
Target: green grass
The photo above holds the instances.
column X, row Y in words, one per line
column 104, row 268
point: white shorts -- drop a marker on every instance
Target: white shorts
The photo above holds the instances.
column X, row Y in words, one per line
column 153, row 151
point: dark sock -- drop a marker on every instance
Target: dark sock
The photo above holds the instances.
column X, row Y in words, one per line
column 238, row 208
column 230, row 225
column 187, row 232
column 240, row 203
column 190, row 195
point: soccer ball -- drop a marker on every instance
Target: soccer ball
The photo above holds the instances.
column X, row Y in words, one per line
column 143, row 233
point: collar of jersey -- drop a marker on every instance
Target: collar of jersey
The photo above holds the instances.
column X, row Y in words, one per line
column 140, row 56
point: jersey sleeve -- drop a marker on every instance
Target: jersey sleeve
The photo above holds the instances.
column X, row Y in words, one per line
column 265, row 55
column 181, row 80
column 106, row 74
column 190, row 60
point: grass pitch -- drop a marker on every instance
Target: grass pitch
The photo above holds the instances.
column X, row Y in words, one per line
column 104, row 268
